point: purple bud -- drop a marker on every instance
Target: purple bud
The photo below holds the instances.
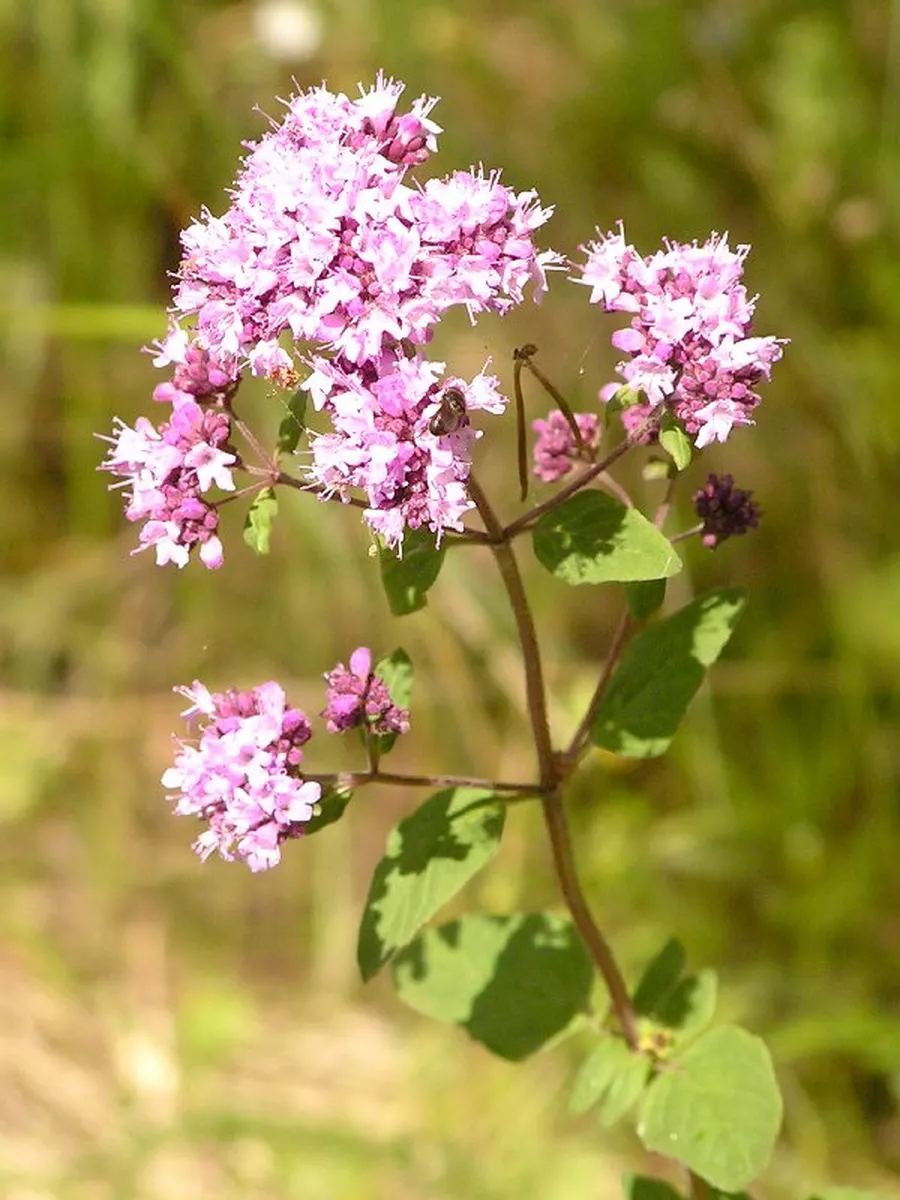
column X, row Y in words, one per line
column 726, row 511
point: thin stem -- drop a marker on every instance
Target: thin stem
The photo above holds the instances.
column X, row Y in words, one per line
column 662, row 512
column 531, row 655
column 355, row 779
column 521, row 440
column 686, row 533
column 560, row 841
column 521, row 523
column 252, row 439
column 582, row 733
column 558, row 398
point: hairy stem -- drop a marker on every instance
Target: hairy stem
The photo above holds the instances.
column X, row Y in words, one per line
column 563, row 860
column 531, row 655
column 550, row 773
column 355, row 779
column 527, row 519
column 582, row 733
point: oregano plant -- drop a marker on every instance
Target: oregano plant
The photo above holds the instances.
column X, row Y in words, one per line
column 327, row 275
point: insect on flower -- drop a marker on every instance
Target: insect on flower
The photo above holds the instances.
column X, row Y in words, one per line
column 451, row 415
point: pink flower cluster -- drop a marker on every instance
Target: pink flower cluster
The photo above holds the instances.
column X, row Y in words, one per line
column 243, row 776
column 360, row 697
column 689, row 340
column 556, row 448
column 389, row 440
column 327, row 259
column 169, row 470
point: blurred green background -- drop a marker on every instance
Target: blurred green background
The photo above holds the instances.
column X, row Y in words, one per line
column 172, row 1030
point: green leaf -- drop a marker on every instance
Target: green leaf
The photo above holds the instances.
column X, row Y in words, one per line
column 625, row 1090
column 513, row 983
column 655, row 469
column 676, row 443
column 593, row 538
column 624, row 397
column 597, row 1072
column 430, row 856
column 293, row 422
column 406, row 580
column 659, row 978
column 613, row 1075
column 716, row 1108
column 645, row 597
column 692, row 1005
column 641, row 1187
column 260, row 517
column 330, row 808
column 396, row 670
column 660, row 671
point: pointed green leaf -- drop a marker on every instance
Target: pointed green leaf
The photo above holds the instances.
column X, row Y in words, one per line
column 430, row 856
column 259, row 520
column 406, row 579
column 293, row 422
column 330, row 808
column 660, row 671
column 716, row 1108
column 593, row 538
column 607, row 1059
column 659, row 978
column 513, row 983
column 676, row 443
column 625, row 1089
column 645, row 597
column 396, row 670
column 641, row 1187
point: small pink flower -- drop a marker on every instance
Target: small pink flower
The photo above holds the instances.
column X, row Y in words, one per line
column 556, row 449
column 690, row 333
column 243, row 777
column 359, row 697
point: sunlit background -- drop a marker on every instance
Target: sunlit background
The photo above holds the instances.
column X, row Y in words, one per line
column 172, row 1030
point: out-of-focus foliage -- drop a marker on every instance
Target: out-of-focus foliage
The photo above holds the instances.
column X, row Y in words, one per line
column 176, row 1030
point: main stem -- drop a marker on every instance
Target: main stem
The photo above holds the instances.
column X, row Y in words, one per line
column 551, row 772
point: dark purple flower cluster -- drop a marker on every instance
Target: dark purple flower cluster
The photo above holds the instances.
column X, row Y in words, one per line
column 357, row 696
column 725, row 510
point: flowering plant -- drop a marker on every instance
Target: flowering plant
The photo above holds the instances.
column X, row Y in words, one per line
column 327, row 275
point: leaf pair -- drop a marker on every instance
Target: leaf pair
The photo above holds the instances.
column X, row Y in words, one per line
column 512, row 982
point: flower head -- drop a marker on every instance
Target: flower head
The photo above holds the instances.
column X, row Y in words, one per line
column 388, row 443
column 357, row 696
column 243, row 775
column 689, row 338
column 726, row 511
column 325, row 242
column 168, row 471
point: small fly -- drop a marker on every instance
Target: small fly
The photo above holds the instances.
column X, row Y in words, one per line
column 451, row 415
